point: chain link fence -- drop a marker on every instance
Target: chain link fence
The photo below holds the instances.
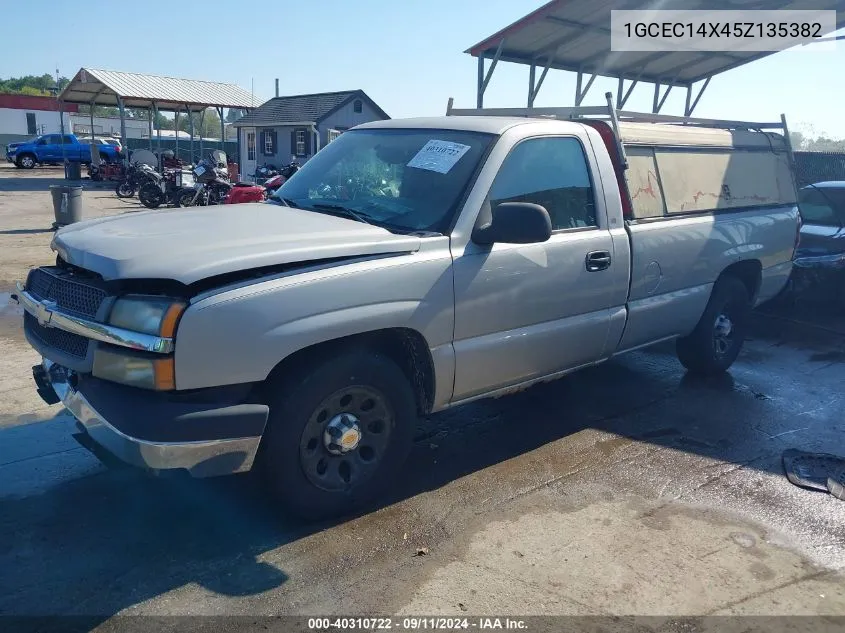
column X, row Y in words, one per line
column 184, row 149
column 811, row 167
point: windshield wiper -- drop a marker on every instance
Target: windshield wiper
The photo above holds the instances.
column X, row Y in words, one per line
column 355, row 215
column 288, row 202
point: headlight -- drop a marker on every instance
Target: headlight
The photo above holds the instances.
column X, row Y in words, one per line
column 156, row 316
column 136, row 369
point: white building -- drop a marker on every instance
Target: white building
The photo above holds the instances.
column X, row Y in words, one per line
column 25, row 116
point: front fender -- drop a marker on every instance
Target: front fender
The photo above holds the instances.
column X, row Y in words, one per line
column 239, row 335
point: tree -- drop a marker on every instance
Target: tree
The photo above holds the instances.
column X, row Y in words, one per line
column 43, row 85
column 233, row 115
column 99, row 110
column 207, row 126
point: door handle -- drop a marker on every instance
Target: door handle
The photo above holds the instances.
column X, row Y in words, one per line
column 597, row 260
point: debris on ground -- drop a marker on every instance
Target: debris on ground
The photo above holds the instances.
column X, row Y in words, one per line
column 421, row 551
column 816, row 471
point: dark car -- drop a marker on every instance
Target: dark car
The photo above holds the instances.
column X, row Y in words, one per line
column 819, row 271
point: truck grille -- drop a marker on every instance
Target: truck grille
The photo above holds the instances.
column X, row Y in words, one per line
column 72, row 296
column 67, row 342
column 69, row 294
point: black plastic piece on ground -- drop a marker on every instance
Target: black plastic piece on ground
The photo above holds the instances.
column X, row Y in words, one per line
column 43, row 386
column 811, row 470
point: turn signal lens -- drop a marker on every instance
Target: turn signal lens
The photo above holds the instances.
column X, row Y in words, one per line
column 135, row 369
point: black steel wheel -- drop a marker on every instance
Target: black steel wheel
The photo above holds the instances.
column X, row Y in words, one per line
column 718, row 338
column 338, row 433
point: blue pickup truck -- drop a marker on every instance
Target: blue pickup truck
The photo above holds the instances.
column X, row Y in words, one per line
column 49, row 148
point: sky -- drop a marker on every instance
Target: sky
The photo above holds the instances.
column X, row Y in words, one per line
column 407, row 55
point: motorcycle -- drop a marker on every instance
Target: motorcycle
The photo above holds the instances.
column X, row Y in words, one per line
column 134, row 178
column 246, row 192
column 266, row 171
column 212, row 183
column 161, row 189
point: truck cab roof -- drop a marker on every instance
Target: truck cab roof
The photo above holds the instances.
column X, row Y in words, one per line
column 487, row 124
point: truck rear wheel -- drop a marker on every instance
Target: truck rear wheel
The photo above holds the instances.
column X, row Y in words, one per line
column 338, row 433
column 716, row 341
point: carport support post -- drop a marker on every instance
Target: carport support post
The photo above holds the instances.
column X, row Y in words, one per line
column 223, row 130
column 91, row 110
column 479, row 100
column 150, row 125
column 158, row 133
column 191, row 127
column 123, row 126
column 531, row 75
column 202, row 127
column 176, row 126
column 62, row 126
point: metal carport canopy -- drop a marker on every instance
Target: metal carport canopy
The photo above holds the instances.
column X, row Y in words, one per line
column 574, row 35
column 93, row 86
column 108, row 87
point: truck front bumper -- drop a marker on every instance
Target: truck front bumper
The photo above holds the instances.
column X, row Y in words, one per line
column 205, row 436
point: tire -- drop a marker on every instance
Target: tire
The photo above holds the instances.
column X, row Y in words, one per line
column 361, row 383
column 150, row 196
column 26, row 161
column 716, row 341
column 185, row 199
column 124, row 190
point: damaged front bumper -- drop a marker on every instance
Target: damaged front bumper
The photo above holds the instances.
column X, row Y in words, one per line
column 205, row 437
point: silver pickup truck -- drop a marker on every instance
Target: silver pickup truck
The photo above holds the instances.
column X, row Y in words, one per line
column 410, row 266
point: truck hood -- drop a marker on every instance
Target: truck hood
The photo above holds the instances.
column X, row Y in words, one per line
column 190, row 244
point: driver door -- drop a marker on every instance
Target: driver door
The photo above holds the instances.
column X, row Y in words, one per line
column 524, row 311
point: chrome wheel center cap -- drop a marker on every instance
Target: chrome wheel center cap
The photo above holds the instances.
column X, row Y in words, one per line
column 342, row 434
column 724, row 326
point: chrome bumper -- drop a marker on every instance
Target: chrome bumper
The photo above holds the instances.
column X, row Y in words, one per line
column 49, row 315
column 200, row 459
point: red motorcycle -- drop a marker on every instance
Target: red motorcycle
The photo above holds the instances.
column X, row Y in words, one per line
column 246, row 192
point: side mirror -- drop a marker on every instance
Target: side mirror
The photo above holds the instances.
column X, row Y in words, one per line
column 515, row 223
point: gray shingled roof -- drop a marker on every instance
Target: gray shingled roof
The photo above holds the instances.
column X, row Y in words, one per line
column 302, row 108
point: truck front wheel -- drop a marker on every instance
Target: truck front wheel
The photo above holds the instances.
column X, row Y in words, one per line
column 717, row 339
column 26, row 161
column 338, row 433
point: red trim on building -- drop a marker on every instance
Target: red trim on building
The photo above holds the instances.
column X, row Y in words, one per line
column 31, row 102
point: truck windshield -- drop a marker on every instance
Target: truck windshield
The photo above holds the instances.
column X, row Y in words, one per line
column 402, row 179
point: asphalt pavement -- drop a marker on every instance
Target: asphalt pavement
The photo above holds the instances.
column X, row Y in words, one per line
column 625, row 489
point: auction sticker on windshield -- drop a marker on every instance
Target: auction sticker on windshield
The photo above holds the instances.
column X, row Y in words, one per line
column 439, row 156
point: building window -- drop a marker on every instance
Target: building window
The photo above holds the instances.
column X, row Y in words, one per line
column 358, row 106
column 250, row 145
column 31, row 127
column 300, row 142
column 268, row 144
column 332, row 135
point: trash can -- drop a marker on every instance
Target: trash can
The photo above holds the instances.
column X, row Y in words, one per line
column 74, row 171
column 67, row 204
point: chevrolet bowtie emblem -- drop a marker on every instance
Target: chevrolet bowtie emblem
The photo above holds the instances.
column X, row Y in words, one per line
column 44, row 312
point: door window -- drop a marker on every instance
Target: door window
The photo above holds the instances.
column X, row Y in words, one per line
column 54, row 139
column 68, row 139
column 250, row 145
column 551, row 172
